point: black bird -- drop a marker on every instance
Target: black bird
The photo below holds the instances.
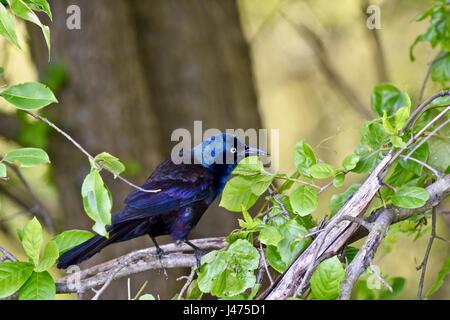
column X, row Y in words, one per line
column 187, row 190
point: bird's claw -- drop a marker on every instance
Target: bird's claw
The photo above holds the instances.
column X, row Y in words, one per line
column 198, row 257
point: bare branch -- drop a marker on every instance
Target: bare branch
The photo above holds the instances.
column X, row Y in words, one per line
column 189, row 280
column 7, row 255
column 365, row 255
column 87, row 154
column 424, row 263
column 135, row 262
column 334, row 78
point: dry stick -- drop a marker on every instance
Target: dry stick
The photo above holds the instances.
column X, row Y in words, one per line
column 365, row 255
column 338, row 235
column 137, row 261
column 331, row 74
column 264, row 262
column 39, row 207
column 422, row 106
column 421, row 142
column 424, row 263
column 435, row 172
column 380, row 278
column 7, row 255
column 189, row 280
column 87, row 154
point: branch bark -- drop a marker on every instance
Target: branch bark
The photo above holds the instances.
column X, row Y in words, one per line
column 135, row 262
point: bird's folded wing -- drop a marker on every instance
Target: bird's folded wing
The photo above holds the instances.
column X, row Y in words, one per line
column 180, row 185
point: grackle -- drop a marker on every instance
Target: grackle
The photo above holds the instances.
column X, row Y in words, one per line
column 186, row 191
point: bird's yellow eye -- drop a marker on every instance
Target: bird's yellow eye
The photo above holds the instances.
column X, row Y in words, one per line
column 233, row 150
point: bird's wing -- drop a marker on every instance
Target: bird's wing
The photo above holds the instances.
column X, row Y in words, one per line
column 181, row 185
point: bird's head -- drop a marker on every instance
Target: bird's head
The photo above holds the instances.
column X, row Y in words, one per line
column 223, row 151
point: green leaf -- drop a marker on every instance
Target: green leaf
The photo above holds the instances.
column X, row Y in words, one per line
column 397, row 284
column 51, row 254
column 237, row 194
column 110, row 162
column 440, row 69
column 445, row 270
column 350, row 162
column 337, row 201
column 387, row 125
column 193, row 292
column 7, row 28
column 441, row 102
column 3, row 171
column 269, row 235
column 22, row 10
column 70, row 239
column 326, row 279
column 12, row 276
column 261, row 184
column 368, row 159
column 40, row 286
column 397, row 142
column 322, row 171
column 439, row 157
column 410, row 197
column 401, row 117
column 231, row 272
column 388, row 98
column 420, row 154
column 304, row 200
column 304, row 158
column 281, row 256
column 32, row 240
column 40, row 5
column 250, row 166
column 373, row 134
column 339, row 180
column 147, row 297
column 27, row 157
column 29, row 96
column 97, row 201
column 350, row 253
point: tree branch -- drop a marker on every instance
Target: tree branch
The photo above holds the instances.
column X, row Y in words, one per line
column 364, row 257
column 135, row 262
column 86, row 153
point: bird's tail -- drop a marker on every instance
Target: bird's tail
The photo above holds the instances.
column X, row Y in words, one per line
column 94, row 245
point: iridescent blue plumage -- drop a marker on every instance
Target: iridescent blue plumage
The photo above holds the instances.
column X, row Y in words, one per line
column 187, row 190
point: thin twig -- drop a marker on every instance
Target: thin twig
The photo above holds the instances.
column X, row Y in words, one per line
column 189, row 280
column 424, row 263
column 421, row 142
column 264, row 262
column 40, row 210
column 334, row 78
column 435, row 172
column 7, row 255
column 87, row 154
column 380, row 278
column 423, row 105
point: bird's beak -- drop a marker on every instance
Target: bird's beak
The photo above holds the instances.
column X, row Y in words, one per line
column 249, row 151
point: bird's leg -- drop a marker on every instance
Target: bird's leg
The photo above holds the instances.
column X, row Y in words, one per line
column 159, row 251
column 197, row 252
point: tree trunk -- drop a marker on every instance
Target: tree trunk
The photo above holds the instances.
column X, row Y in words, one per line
column 132, row 62
column 105, row 106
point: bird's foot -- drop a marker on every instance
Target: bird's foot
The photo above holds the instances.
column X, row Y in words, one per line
column 198, row 257
column 160, row 253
